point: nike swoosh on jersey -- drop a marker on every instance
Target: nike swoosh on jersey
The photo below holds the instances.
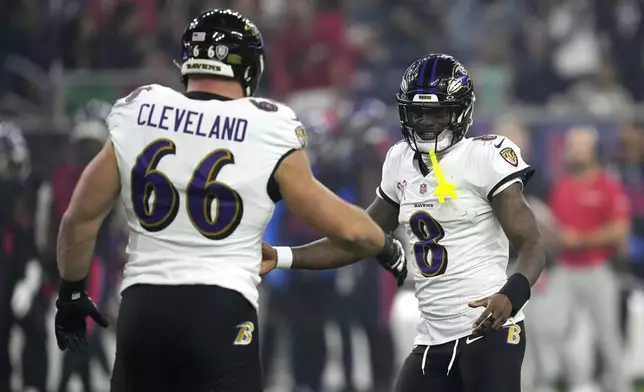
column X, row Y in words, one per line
column 500, row 143
column 470, row 340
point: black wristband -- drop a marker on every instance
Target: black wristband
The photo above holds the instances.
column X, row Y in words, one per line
column 388, row 250
column 67, row 288
column 517, row 289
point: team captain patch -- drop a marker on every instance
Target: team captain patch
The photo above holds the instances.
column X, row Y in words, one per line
column 510, row 156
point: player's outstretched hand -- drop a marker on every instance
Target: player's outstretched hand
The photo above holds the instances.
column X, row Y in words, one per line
column 393, row 261
column 498, row 310
column 269, row 259
column 73, row 307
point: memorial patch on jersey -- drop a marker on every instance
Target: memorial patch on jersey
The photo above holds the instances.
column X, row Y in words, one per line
column 510, row 156
column 485, row 138
column 300, row 132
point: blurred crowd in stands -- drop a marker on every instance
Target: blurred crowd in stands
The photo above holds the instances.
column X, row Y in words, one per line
column 339, row 64
column 541, row 52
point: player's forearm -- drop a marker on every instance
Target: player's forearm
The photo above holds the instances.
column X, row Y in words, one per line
column 531, row 260
column 76, row 241
column 322, row 254
column 348, row 227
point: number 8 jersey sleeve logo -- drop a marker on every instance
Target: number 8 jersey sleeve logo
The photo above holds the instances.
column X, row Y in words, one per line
column 156, row 200
column 431, row 257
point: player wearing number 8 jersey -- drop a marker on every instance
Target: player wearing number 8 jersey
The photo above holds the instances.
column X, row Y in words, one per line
column 199, row 175
column 459, row 200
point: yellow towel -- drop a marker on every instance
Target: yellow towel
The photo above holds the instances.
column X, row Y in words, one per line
column 444, row 188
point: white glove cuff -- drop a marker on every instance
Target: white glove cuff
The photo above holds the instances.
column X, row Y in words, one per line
column 284, row 257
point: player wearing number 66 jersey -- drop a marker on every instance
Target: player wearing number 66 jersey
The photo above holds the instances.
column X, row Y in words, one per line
column 199, row 175
column 459, row 200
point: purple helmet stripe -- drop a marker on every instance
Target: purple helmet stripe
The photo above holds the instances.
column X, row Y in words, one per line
column 433, row 89
column 421, row 77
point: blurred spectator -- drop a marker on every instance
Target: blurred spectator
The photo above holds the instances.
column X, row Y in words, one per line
column 21, row 273
column 621, row 24
column 468, row 19
column 310, row 52
column 78, row 40
column 593, row 216
column 121, row 42
column 535, row 79
column 602, row 94
column 577, row 51
column 415, row 28
column 629, row 168
column 376, row 76
column 492, row 73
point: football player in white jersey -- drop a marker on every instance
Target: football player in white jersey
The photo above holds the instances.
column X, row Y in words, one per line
column 459, row 200
column 198, row 175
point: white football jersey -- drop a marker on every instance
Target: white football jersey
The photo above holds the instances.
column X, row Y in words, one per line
column 456, row 251
column 196, row 176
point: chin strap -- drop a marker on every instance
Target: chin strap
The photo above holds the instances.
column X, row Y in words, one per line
column 444, row 188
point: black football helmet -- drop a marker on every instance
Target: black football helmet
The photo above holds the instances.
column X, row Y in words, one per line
column 222, row 43
column 435, row 103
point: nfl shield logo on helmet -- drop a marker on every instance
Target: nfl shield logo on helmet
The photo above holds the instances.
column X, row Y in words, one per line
column 221, row 52
column 510, row 156
column 423, row 189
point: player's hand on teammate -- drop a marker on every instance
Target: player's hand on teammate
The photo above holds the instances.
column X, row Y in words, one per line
column 498, row 310
column 73, row 307
column 394, row 261
column 269, row 259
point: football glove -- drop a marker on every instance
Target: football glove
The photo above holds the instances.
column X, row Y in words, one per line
column 392, row 258
column 73, row 306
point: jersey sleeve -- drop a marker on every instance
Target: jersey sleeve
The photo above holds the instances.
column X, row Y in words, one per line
column 285, row 135
column 387, row 190
column 287, row 132
column 124, row 107
column 497, row 165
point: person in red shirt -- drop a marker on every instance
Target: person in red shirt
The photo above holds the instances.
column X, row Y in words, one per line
column 593, row 217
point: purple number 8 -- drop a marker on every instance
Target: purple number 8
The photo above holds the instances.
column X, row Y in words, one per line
column 430, row 256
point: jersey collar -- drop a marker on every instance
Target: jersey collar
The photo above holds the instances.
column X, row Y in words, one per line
column 205, row 96
column 424, row 170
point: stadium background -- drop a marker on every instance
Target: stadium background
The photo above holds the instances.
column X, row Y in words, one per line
column 539, row 67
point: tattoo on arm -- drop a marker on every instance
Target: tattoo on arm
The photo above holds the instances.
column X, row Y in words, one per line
column 323, row 254
column 519, row 224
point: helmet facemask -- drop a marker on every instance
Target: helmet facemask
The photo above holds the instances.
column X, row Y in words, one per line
column 434, row 127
